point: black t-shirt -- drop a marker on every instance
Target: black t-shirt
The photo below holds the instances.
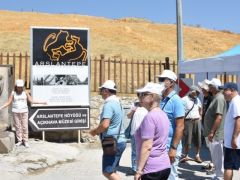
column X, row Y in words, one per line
column 206, row 102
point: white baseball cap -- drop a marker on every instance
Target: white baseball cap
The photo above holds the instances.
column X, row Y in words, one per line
column 168, row 74
column 215, row 82
column 195, row 88
column 203, row 85
column 152, row 88
column 109, row 84
column 19, row 83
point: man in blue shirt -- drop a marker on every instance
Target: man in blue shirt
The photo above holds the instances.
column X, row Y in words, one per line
column 111, row 125
column 173, row 106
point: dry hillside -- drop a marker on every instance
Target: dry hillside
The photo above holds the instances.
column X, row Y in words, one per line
column 126, row 38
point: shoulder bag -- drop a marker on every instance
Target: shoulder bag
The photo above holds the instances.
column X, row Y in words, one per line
column 109, row 143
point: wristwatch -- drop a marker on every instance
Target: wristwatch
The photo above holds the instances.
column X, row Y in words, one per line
column 174, row 146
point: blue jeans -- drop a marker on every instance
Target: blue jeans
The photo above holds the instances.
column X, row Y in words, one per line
column 174, row 169
column 109, row 163
column 134, row 154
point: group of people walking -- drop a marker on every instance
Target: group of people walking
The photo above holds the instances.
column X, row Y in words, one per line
column 161, row 121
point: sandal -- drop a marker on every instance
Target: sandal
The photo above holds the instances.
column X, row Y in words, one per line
column 198, row 159
column 184, row 158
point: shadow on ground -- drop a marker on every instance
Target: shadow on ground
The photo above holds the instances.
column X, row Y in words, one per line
column 123, row 169
column 188, row 171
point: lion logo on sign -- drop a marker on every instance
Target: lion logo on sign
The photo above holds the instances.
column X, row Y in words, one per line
column 63, row 46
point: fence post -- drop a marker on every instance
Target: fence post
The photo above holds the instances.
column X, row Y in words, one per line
column 8, row 58
column 14, row 67
column 95, row 74
column 126, row 83
column 132, row 77
column 20, row 66
column 149, row 71
column 102, row 71
column 121, row 74
column 167, row 64
column 225, row 77
column 26, row 71
column 144, row 80
column 1, row 58
column 154, row 71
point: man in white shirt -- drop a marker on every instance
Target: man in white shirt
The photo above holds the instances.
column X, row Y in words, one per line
column 232, row 131
column 192, row 123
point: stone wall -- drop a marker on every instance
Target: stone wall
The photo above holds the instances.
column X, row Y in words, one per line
column 5, row 87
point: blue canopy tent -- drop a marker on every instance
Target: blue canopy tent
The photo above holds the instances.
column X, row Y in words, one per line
column 231, row 52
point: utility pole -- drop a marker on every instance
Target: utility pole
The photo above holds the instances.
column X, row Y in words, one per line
column 179, row 31
column 179, row 37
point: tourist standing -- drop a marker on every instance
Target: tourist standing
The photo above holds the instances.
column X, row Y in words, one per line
column 19, row 99
column 213, row 126
column 151, row 137
column 111, row 125
column 192, row 125
column 137, row 113
column 172, row 105
column 231, row 131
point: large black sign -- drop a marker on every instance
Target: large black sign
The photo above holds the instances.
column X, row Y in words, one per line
column 60, row 66
column 59, row 119
column 59, row 46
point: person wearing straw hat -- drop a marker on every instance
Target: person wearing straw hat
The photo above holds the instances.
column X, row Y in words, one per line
column 151, row 137
column 18, row 99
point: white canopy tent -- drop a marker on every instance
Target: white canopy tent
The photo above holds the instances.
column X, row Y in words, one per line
column 228, row 64
column 206, row 68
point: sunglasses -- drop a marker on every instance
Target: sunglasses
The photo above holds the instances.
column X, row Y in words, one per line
column 101, row 90
column 160, row 79
column 141, row 95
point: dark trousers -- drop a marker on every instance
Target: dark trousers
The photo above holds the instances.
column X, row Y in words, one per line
column 160, row 175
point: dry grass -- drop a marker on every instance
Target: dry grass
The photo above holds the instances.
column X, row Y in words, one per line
column 125, row 38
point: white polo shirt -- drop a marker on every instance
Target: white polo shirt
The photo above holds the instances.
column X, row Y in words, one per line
column 232, row 113
column 188, row 104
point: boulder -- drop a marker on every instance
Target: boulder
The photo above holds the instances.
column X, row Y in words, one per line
column 3, row 126
column 7, row 141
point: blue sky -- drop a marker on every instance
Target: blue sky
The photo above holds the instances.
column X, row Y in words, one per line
column 211, row 14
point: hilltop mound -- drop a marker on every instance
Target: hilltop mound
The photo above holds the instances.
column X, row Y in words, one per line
column 125, row 38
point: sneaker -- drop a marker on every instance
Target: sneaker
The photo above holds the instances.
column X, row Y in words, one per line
column 207, row 166
column 26, row 144
column 210, row 171
column 198, row 159
column 18, row 144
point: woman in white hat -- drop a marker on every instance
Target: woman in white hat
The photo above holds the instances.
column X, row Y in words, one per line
column 151, row 137
column 18, row 99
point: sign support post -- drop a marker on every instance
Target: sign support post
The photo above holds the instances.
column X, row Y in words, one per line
column 79, row 136
column 43, row 135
